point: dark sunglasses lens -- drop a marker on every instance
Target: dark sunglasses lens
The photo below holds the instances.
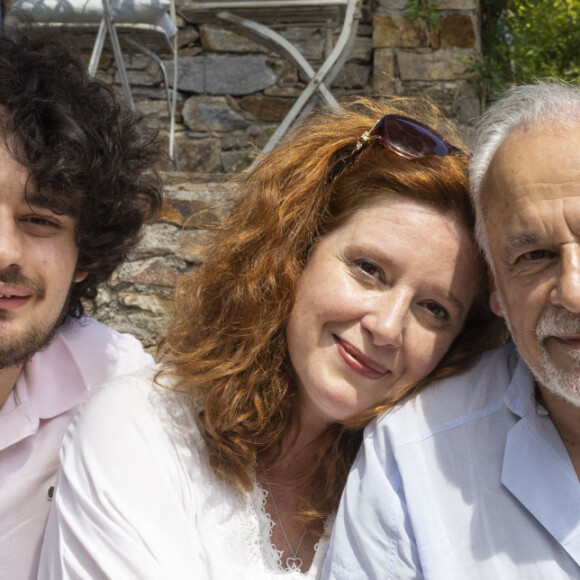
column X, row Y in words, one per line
column 410, row 138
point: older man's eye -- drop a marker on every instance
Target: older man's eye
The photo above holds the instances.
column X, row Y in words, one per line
column 537, row 255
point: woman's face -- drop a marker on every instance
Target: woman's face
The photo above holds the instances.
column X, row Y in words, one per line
column 380, row 301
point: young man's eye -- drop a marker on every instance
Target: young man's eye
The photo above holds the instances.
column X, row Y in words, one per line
column 40, row 224
column 40, row 221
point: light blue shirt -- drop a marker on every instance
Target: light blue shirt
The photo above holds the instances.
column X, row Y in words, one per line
column 469, row 481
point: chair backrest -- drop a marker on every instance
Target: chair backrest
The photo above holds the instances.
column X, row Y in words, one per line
column 270, row 11
column 152, row 12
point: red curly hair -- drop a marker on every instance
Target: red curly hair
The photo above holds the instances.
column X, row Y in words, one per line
column 226, row 345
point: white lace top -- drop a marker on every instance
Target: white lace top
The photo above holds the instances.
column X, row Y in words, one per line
column 136, row 499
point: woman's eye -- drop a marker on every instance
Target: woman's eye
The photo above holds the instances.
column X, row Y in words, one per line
column 369, row 268
column 437, row 310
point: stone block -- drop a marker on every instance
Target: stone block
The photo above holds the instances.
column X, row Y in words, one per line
column 136, row 61
column 286, row 73
column 189, row 51
column 219, row 40
column 443, row 93
column 362, row 50
column 365, row 29
column 384, row 71
column 198, row 154
column 212, row 114
column 203, row 186
column 169, row 241
column 457, row 4
column 193, row 212
column 155, row 112
column 292, row 92
column 267, row 108
column 309, row 41
column 384, row 6
column 140, row 77
column 353, row 76
column 148, row 301
column 233, row 161
column 470, row 109
column 221, row 74
column 457, row 31
column 186, row 37
column 234, row 140
column 155, row 272
column 155, row 94
column 157, row 239
column 254, row 138
column 398, row 32
column 435, row 66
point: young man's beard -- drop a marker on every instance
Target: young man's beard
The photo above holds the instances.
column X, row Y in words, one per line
column 37, row 337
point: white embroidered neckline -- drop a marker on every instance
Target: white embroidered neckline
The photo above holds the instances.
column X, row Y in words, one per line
column 262, row 553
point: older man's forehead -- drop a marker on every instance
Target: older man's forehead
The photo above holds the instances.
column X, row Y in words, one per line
column 539, row 157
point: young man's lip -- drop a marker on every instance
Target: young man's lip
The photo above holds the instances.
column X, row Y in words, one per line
column 361, row 358
column 7, row 291
column 13, row 302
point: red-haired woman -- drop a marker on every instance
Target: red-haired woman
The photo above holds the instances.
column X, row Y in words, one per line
column 345, row 279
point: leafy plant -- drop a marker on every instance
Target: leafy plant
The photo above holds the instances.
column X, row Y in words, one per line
column 425, row 10
column 524, row 40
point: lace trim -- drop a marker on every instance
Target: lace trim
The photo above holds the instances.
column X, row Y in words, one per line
column 258, row 529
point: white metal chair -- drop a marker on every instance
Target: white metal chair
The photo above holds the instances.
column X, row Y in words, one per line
column 148, row 26
column 257, row 20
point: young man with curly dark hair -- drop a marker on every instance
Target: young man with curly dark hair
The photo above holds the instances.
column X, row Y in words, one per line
column 76, row 185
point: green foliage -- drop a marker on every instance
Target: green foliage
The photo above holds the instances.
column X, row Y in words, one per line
column 546, row 42
column 523, row 40
column 425, row 10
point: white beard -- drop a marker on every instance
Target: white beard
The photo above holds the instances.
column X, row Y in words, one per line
column 564, row 383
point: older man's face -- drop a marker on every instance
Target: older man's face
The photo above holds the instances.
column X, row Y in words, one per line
column 531, row 200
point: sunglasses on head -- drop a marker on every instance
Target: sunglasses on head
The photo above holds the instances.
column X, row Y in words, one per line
column 408, row 138
column 404, row 136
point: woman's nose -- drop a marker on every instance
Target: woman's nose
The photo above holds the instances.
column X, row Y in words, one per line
column 387, row 318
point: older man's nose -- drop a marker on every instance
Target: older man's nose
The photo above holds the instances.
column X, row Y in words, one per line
column 566, row 292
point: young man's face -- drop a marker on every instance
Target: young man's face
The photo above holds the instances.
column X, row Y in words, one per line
column 38, row 257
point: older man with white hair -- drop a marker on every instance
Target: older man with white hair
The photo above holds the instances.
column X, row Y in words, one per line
column 478, row 477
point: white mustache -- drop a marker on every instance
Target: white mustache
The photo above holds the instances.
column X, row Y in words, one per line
column 556, row 321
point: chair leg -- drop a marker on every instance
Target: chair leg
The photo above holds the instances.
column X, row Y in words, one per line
column 171, row 98
column 110, row 24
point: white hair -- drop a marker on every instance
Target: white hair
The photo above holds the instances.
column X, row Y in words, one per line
column 521, row 106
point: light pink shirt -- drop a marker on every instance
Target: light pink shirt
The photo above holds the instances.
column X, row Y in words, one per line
column 32, row 424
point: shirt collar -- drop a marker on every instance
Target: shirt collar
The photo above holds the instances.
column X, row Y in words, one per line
column 51, row 382
column 519, row 397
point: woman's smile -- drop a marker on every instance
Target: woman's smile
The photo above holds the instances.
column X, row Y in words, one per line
column 359, row 362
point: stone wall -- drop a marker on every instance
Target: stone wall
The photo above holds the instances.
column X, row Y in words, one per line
column 232, row 94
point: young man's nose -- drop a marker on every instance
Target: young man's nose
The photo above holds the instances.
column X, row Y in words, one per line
column 10, row 244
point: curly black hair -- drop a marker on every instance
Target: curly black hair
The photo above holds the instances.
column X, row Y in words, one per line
column 87, row 156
